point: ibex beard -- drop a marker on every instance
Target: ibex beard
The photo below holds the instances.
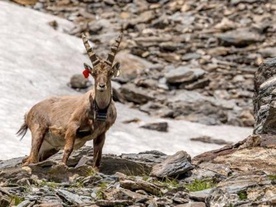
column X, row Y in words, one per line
column 68, row 122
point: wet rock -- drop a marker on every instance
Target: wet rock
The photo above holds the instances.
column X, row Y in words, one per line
column 174, row 165
column 160, row 126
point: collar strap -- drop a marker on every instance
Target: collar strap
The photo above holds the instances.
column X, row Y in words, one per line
column 100, row 114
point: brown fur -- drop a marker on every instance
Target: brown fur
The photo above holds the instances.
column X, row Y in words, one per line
column 67, row 122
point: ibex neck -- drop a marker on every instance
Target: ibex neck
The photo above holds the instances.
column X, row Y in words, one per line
column 103, row 99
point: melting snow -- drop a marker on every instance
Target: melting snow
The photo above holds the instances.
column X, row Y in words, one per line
column 37, row 61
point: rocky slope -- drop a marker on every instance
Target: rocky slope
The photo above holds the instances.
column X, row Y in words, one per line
column 242, row 174
column 237, row 175
column 198, row 57
column 175, row 39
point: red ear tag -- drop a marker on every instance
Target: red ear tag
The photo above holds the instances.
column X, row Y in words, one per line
column 86, row 73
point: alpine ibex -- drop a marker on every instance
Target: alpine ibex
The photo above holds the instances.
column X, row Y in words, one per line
column 69, row 121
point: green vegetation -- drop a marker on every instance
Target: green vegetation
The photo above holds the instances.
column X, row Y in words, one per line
column 100, row 192
column 242, row 195
column 15, row 200
column 77, row 184
column 169, row 183
column 49, row 184
column 198, row 185
column 90, row 172
column 272, row 177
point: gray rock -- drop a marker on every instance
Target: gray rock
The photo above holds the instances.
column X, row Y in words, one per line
column 206, row 139
column 153, row 1
column 181, row 197
column 192, row 204
column 268, row 52
column 183, row 74
column 200, row 195
column 239, row 38
column 140, row 185
column 174, row 165
column 190, row 56
column 131, row 66
column 114, row 202
column 77, row 81
column 148, row 157
column 235, row 2
column 134, row 94
column 242, row 190
column 159, row 126
column 264, row 98
column 71, row 198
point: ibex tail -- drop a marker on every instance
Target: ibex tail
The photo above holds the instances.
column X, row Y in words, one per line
column 23, row 130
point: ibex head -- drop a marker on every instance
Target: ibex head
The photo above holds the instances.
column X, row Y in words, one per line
column 102, row 70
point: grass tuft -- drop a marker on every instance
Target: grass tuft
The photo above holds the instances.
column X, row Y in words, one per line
column 198, row 185
column 242, row 195
column 15, row 200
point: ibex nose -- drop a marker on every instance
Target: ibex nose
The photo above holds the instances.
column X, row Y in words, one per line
column 101, row 85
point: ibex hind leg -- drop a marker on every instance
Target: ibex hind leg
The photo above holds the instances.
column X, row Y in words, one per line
column 38, row 134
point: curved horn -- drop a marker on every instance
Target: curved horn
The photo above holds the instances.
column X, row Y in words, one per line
column 114, row 49
column 94, row 59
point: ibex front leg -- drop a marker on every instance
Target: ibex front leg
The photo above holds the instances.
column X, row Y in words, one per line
column 70, row 137
column 98, row 146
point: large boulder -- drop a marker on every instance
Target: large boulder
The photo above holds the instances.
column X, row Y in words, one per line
column 265, row 97
column 244, row 172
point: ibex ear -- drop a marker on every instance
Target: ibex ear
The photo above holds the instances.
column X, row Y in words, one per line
column 116, row 69
column 87, row 70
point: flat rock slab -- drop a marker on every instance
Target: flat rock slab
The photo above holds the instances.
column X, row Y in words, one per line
column 183, row 74
column 239, row 38
column 254, row 153
column 159, row 126
column 174, row 165
column 244, row 189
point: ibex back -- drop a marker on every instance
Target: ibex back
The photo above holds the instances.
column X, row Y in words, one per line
column 68, row 122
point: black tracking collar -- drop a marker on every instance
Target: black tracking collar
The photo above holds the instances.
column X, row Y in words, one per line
column 100, row 114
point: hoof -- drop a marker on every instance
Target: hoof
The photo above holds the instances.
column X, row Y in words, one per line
column 27, row 161
column 96, row 169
